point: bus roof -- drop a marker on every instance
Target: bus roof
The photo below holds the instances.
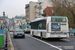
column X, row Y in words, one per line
column 44, row 18
column 39, row 19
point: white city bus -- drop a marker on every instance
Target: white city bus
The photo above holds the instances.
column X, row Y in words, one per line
column 50, row 27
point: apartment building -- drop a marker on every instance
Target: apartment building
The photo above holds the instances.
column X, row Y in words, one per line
column 47, row 6
column 6, row 20
column 1, row 22
column 27, row 8
column 42, row 7
column 18, row 21
column 23, row 23
column 37, row 9
column 30, row 11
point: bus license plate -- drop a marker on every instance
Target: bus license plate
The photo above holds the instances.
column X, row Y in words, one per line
column 19, row 35
column 58, row 33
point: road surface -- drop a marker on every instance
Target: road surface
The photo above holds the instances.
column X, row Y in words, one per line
column 35, row 43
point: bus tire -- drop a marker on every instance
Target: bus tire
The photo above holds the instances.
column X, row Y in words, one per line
column 58, row 38
column 13, row 36
column 41, row 36
column 32, row 33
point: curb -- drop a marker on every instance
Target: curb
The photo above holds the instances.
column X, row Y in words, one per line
column 10, row 45
column 72, row 36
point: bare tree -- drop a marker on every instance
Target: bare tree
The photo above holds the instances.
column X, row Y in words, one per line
column 65, row 8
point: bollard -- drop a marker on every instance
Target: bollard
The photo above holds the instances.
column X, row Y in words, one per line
column 5, row 48
column 6, row 42
column 6, row 45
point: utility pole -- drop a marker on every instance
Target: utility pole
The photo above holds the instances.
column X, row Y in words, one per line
column 19, row 21
column 1, row 27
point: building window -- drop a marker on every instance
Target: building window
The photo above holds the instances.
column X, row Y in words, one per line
column 39, row 25
column 55, row 0
column 17, row 21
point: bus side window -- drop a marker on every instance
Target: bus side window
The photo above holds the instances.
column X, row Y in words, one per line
column 44, row 24
column 40, row 26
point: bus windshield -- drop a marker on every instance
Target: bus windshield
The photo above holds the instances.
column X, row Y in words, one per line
column 58, row 19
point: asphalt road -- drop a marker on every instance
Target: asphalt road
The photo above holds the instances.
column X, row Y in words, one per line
column 35, row 43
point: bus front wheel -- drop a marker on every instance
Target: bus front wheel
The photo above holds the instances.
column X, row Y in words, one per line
column 41, row 36
column 32, row 33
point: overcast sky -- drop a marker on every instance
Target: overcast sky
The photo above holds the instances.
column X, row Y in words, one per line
column 13, row 7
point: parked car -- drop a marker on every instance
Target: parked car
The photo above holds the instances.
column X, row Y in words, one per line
column 11, row 29
column 27, row 30
column 18, row 33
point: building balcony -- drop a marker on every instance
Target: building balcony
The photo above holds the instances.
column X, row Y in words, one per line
column 37, row 11
column 26, row 7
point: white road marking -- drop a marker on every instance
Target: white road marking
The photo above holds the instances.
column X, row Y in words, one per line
column 65, row 39
column 11, row 32
column 45, row 42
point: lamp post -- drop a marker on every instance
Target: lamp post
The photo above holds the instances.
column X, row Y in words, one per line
column 19, row 21
column 5, row 23
column 1, row 26
column 14, row 25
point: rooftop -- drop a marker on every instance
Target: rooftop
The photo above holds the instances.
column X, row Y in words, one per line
column 1, row 18
column 48, row 11
column 19, row 17
column 4, row 17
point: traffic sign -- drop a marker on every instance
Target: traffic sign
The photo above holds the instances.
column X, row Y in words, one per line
column 71, row 29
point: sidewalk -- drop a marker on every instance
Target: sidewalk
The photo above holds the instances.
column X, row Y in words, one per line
column 72, row 36
column 10, row 45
